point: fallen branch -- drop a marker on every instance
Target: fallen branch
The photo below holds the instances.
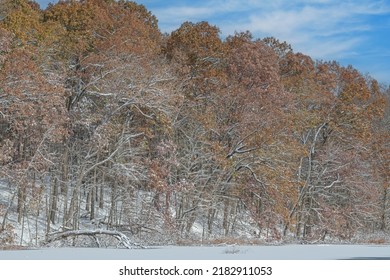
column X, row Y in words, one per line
column 123, row 239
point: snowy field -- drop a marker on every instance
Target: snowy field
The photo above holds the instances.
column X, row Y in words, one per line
column 229, row 252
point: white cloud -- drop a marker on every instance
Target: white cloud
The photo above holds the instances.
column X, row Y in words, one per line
column 171, row 18
column 331, row 49
column 309, row 26
column 326, row 29
column 179, row 13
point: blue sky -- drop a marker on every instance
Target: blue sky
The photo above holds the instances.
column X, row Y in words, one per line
column 352, row 32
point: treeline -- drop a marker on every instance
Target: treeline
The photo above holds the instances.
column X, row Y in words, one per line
column 104, row 118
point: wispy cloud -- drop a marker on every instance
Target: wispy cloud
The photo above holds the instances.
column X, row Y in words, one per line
column 320, row 28
column 179, row 13
column 317, row 31
column 170, row 18
column 325, row 29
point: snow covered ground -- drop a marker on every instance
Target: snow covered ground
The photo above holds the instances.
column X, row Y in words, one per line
column 228, row 252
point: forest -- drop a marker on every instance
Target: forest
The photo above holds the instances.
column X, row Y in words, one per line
column 109, row 126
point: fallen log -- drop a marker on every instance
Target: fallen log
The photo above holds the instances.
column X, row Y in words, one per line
column 121, row 237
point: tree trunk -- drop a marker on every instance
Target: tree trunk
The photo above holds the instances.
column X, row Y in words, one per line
column 21, row 201
column 225, row 222
column 65, row 172
column 384, row 222
column 53, row 201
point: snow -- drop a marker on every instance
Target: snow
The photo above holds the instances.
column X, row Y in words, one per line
column 230, row 252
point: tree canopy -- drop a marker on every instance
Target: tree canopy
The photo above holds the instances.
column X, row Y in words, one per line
column 104, row 117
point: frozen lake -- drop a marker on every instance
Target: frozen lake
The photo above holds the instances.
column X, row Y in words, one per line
column 228, row 252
